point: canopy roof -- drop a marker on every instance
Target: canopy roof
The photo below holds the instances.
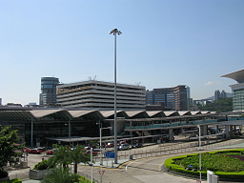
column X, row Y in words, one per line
column 63, row 114
column 238, row 76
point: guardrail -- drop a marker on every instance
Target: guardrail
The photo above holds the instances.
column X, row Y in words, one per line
column 179, row 124
column 165, row 149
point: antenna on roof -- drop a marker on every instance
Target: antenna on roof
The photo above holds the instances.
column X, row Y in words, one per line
column 138, row 83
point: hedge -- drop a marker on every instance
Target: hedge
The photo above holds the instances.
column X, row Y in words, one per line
column 234, row 176
column 12, row 181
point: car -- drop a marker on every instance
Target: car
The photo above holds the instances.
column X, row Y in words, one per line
column 136, row 145
column 124, row 147
column 109, row 145
column 35, row 151
column 32, row 150
column 50, row 152
column 95, row 152
column 41, row 149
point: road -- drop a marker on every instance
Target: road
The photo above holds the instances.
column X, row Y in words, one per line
column 144, row 170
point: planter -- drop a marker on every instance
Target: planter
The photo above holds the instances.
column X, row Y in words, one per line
column 4, row 179
column 37, row 174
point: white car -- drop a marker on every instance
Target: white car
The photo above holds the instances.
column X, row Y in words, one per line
column 124, row 147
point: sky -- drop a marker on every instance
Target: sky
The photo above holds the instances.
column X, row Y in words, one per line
column 164, row 43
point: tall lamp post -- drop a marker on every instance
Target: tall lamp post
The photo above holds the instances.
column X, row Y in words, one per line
column 115, row 32
column 200, row 156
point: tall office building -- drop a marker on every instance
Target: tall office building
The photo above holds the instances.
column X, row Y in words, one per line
column 94, row 94
column 0, row 101
column 175, row 98
column 48, row 91
column 238, row 89
column 217, row 95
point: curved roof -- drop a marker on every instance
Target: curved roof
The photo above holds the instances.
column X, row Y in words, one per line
column 80, row 113
column 63, row 114
column 155, row 113
column 238, row 76
column 182, row 113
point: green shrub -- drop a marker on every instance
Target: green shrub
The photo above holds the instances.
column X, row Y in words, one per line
column 84, row 180
column 43, row 165
column 16, row 181
column 60, row 175
column 227, row 168
column 12, row 181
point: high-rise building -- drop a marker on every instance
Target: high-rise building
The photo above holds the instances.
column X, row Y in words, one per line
column 94, row 94
column 238, row 89
column 217, row 95
column 175, row 98
column 48, row 91
column 223, row 94
column 0, row 101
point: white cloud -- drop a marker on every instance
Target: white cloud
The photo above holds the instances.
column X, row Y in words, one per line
column 209, row 83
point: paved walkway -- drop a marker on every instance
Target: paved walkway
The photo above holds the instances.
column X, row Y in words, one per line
column 139, row 171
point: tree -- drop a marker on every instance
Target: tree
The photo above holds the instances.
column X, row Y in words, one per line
column 220, row 105
column 78, row 155
column 64, row 156
column 60, row 175
column 8, row 147
column 61, row 156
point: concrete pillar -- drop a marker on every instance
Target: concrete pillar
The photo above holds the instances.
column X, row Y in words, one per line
column 204, row 130
column 171, row 134
column 227, row 131
column 32, row 131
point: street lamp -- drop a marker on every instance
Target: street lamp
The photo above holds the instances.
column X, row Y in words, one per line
column 200, row 156
column 115, row 32
column 100, row 139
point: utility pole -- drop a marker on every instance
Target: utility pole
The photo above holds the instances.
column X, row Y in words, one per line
column 115, row 32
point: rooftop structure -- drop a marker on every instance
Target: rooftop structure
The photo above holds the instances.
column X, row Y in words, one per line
column 238, row 89
column 94, row 94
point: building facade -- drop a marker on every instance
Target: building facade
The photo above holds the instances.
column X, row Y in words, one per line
column 175, row 98
column 94, row 94
column 48, row 91
column 238, row 90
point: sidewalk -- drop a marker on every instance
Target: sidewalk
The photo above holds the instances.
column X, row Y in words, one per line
column 109, row 163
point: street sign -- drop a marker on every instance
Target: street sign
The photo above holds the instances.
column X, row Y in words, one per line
column 109, row 154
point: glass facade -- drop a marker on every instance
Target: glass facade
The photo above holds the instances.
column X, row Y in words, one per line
column 48, row 90
column 238, row 100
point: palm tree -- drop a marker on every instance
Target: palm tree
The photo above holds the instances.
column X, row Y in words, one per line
column 60, row 175
column 61, row 156
column 77, row 155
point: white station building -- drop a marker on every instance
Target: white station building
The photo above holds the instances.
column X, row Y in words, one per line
column 94, row 94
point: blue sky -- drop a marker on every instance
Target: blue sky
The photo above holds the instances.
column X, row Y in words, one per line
column 164, row 43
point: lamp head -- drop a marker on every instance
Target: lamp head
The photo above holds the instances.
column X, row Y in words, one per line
column 115, row 31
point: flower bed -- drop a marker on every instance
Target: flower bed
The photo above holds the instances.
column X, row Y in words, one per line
column 227, row 164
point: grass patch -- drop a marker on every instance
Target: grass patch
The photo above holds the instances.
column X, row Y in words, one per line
column 227, row 164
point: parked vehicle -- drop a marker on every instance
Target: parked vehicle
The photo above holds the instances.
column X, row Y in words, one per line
column 32, row 150
column 124, row 147
column 136, row 145
column 49, row 152
column 109, row 145
column 95, row 152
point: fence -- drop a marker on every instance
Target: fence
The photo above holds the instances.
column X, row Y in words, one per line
column 177, row 148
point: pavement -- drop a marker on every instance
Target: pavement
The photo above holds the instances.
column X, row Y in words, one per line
column 143, row 170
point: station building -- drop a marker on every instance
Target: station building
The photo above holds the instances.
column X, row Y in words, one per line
column 238, row 90
column 46, row 126
column 99, row 95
